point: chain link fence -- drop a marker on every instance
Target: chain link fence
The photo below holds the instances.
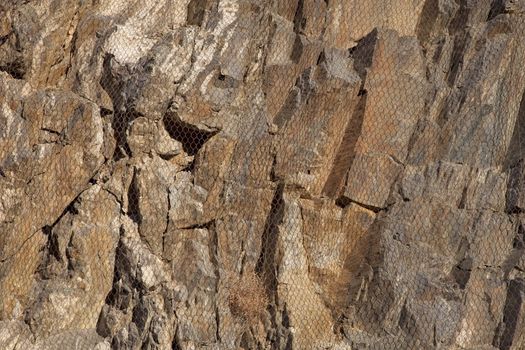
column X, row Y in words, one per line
column 262, row 174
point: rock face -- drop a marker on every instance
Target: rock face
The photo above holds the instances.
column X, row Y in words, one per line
column 241, row 174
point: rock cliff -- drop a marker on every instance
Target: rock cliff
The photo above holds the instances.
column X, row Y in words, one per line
column 245, row 174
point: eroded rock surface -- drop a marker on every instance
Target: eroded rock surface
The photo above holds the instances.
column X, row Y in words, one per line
column 360, row 163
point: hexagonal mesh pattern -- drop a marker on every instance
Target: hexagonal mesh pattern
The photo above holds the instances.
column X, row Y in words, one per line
column 262, row 174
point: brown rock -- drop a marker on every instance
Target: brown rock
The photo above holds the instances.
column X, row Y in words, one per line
column 186, row 202
column 251, row 174
column 310, row 320
column 335, row 256
column 456, row 184
column 193, row 268
column 149, row 199
column 68, row 169
column 381, row 172
column 85, row 257
column 316, row 115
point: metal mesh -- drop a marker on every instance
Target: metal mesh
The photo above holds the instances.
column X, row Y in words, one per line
column 275, row 174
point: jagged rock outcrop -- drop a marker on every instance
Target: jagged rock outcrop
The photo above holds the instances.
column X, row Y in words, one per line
column 241, row 174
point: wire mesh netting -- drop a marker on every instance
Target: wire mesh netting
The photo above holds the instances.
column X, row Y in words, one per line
column 262, row 174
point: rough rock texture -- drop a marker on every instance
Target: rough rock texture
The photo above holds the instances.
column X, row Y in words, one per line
column 241, row 174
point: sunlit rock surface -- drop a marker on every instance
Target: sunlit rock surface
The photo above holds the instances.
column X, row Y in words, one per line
column 360, row 162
